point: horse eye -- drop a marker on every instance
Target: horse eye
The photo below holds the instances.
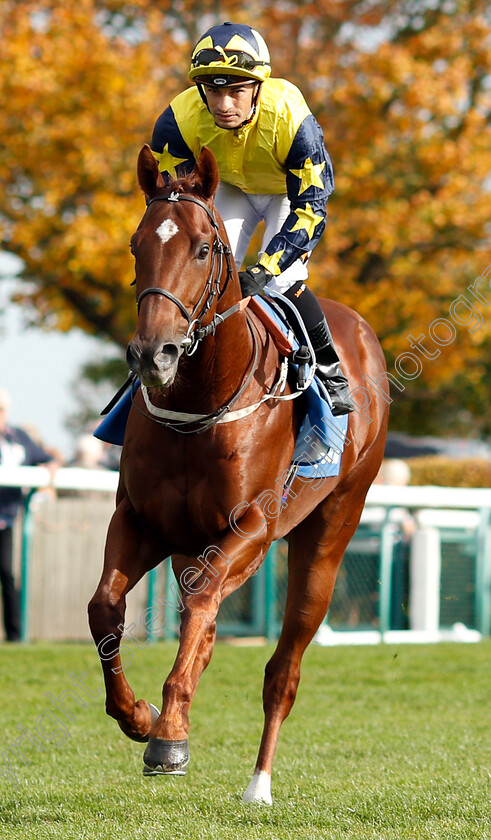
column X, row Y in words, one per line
column 204, row 251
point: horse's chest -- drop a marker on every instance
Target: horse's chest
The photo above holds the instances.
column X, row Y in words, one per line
column 188, row 488
column 186, row 495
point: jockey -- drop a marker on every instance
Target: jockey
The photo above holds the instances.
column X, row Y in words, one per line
column 273, row 167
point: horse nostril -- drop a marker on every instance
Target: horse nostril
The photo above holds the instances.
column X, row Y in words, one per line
column 168, row 355
column 131, row 357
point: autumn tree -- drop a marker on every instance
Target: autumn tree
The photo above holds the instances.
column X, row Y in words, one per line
column 402, row 91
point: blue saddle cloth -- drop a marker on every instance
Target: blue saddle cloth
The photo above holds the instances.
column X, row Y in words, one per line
column 321, row 438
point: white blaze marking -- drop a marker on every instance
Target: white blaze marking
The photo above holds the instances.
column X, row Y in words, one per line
column 166, row 230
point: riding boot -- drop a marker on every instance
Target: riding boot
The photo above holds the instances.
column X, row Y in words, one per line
column 329, row 369
column 328, row 365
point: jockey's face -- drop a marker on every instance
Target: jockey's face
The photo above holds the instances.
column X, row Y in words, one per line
column 230, row 105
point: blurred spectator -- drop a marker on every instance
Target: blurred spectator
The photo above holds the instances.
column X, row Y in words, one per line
column 394, row 471
column 32, row 430
column 111, row 452
column 16, row 449
column 89, row 453
column 112, row 456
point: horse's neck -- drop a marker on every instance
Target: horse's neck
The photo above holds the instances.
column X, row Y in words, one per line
column 227, row 358
column 214, row 373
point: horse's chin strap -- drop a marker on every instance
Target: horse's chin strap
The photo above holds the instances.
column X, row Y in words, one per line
column 195, row 331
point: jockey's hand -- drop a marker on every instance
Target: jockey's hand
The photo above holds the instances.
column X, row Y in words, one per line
column 253, row 279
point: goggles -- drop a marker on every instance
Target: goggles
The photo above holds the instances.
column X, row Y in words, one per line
column 234, row 58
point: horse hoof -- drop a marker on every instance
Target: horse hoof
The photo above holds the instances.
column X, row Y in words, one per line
column 165, row 758
column 259, row 789
column 142, row 739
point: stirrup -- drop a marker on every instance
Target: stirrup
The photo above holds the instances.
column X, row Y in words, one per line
column 302, row 358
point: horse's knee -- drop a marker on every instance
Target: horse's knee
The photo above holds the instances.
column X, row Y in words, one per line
column 105, row 612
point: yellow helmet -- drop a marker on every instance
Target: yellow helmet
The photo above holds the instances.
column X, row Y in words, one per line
column 228, row 54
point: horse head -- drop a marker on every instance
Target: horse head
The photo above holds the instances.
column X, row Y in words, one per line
column 182, row 268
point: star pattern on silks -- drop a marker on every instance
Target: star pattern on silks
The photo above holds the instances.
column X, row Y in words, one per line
column 170, row 162
column 307, row 220
column 309, row 175
column 270, row 261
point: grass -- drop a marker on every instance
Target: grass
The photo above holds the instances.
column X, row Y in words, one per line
column 384, row 743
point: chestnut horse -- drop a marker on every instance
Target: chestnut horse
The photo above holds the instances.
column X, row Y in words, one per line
column 192, row 485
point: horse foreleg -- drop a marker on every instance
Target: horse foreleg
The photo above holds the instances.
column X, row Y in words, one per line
column 128, row 555
column 237, row 558
column 167, row 752
column 315, row 553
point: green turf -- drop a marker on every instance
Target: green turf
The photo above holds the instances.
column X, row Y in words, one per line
column 389, row 742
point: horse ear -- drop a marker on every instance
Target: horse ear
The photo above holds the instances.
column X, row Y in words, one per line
column 206, row 173
column 149, row 177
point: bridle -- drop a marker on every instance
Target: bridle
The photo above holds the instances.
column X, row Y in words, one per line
column 191, row 424
column 196, row 332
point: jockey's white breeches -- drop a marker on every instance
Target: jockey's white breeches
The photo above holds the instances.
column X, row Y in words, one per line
column 241, row 214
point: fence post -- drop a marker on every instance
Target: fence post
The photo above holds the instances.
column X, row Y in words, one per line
column 270, row 592
column 386, row 559
column 170, row 611
column 483, row 574
column 425, row 573
column 27, row 529
column 151, row 592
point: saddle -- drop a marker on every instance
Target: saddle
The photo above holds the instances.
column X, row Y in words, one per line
column 299, row 354
column 322, row 436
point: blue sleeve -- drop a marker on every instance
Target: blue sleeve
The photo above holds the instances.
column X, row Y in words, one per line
column 173, row 155
column 309, row 183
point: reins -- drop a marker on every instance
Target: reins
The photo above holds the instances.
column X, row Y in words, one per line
column 183, row 422
column 180, row 421
column 196, row 332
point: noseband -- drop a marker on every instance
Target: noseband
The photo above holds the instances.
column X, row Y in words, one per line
column 196, row 331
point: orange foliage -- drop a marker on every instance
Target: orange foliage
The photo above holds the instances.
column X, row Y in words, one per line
column 401, row 91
